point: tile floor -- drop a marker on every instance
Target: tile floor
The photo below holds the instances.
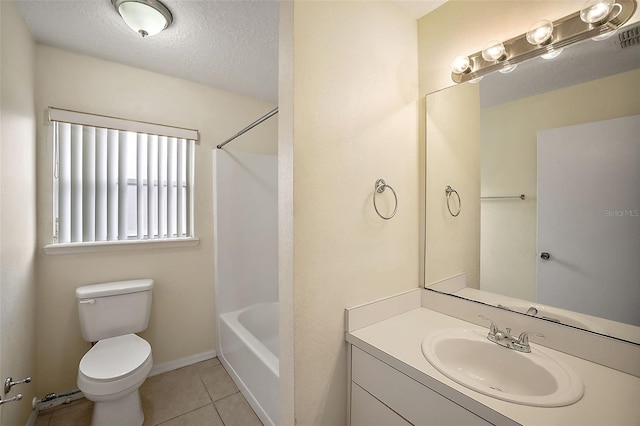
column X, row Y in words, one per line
column 200, row 394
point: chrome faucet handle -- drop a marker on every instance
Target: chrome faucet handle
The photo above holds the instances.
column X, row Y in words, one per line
column 523, row 339
column 494, row 328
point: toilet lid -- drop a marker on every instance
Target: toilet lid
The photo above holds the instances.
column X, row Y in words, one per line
column 116, row 357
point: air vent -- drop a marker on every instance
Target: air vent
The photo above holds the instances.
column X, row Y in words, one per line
column 629, row 37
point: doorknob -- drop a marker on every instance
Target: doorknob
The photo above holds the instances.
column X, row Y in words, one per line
column 545, row 256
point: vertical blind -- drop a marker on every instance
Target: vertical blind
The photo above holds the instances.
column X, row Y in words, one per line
column 115, row 184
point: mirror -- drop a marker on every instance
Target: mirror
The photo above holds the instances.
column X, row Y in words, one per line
column 546, row 161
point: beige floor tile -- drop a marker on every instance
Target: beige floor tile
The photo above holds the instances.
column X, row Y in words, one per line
column 235, row 411
column 217, row 382
column 43, row 419
column 205, row 416
column 63, row 409
column 176, row 398
column 78, row 414
column 172, row 394
column 207, row 363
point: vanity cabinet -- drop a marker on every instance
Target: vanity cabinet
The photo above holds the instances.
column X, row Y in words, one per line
column 382, row 395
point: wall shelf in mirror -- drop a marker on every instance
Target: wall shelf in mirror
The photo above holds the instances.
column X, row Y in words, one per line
column 505, row 197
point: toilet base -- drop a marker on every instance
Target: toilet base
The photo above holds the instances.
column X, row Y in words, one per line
column 125, row 411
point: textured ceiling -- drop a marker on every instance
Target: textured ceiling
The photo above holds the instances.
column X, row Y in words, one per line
column 232, row 45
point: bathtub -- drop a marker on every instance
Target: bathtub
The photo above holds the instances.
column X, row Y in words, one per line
column 248, row 349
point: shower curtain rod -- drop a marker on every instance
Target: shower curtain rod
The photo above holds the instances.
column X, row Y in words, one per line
column 250, row 126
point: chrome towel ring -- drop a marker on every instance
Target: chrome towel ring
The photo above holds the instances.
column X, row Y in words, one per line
column 449, row 190
column 381, row 185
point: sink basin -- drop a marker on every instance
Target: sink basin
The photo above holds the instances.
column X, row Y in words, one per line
column 468, row 358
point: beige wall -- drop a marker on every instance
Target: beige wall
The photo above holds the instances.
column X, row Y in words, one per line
column 182, row 317
column 353, row 101
column 17, row 213
column 453, row 159
column 509, row 164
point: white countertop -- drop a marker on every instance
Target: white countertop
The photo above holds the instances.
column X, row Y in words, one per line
column 610, row 398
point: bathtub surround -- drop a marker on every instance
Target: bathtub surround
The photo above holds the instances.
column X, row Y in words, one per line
column 246, row 275
column 18, row 323
column 184, row 277
column 248, row 341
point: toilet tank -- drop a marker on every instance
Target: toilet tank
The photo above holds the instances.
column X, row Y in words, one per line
column 114, row 308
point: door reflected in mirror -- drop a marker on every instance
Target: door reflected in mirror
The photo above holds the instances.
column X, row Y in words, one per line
column 565, row 133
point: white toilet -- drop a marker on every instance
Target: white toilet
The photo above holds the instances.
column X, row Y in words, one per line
column 113, row 370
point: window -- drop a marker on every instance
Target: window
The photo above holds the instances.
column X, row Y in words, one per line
column 119, row 180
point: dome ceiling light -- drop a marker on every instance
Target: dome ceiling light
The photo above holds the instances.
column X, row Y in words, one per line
column 146, row 17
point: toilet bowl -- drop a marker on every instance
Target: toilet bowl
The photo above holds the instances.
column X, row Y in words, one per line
column 112, row 371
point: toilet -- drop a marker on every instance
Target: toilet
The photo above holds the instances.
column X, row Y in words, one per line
column 112, row 371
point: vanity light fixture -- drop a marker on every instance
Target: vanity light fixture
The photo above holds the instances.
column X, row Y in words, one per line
column 508, row 68
column 494, row 51
column 146, row 17
column 597, row 19
column 604, row 36
column 461, row 65
column 540, row 33
column 553, row 53
column 596, row 11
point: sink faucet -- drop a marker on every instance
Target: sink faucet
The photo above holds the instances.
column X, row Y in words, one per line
column 504, row 338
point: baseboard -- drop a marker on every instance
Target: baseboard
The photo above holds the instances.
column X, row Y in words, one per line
column 182, row 362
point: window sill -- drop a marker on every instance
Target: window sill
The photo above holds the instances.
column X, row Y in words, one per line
column 106, row 246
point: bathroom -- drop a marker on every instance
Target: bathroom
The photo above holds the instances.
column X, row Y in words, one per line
column 352, row 78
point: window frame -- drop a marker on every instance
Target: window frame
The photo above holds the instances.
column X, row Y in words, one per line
column 114, row 123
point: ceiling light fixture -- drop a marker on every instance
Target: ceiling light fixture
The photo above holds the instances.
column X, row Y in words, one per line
column 146, row 17
column 598, row 19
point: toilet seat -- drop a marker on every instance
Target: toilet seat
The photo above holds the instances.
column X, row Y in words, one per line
column 114, row 365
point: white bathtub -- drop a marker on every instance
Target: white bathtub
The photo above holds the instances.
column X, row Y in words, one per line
column 248, row 349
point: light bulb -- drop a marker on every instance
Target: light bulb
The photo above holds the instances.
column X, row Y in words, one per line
column 461, row 65
column 494, row 51
column 540, row 33
column 596, row 11
column 508, row 68
column 553, row 53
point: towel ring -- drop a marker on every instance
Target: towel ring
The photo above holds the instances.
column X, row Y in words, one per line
column 381, row 185
column 449, row 190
